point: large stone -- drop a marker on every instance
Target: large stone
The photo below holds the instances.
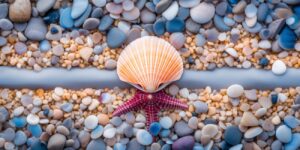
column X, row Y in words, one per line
column 20, row 11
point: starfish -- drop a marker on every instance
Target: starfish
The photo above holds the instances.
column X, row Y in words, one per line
column 152, row 103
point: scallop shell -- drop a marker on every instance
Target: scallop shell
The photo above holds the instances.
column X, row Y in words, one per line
column 149, row 64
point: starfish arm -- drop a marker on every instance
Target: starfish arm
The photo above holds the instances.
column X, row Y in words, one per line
column 151, row 113
column 133, row 104
column 167, row 102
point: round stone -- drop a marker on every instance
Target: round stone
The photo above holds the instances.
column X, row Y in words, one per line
column 20, row 138
column 44, row 46
column 58, row 50
column 103, row 119
column 250, row 10
column 6, row 24
column 210, row 130
column 166, row 122
column 132, row 14
column 171, row 12
column 203, row 12
column 91, row 122
column 291, row 121
column 91, row 23
column 97, row 132
column 284, row 134
column 116, row 121
column 18, row 111
column 20, row 11
column 110, row 64
column 154, row 128
column 147, row 16
column 235, row 91
column 200, row 107
column 33, row 119
column 232, row 52
column 184, row 143
column 177, row 39
column 62, row 130
column 36, row 29
column 278, row 67
column 228, row 135
column 253, row 132
column 144, row 137
column 109, row 133
column 182, row 129
column 56, row 141
column 115, row 38
column 99, row 3
column 20, row 48
column 96, row 144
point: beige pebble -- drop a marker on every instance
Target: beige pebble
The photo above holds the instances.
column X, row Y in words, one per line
column 103, row 119
column 249, row 119
column 276, row 120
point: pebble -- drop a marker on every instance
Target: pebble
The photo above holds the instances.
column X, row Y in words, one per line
column 159, row 27
column 65, row 19
column 134, row 145
column 97, row 132
column 99, row 3
column 127, row 5
column 103, row 119
column 210, row 130
column 188, row 3
column 116, row 121
column 144, row 137
column 278, row 67
column 109, row 133
column 261, row 112
column 36, row 29
column 18, row 111
column 44, row 46
column 162, row 5
column 79, row 21
column 175, row 25
column 114, row 8
column 91, row 122
column 267, row 125
column 186, row 142
column 67, row 107
column 253, row 132
column 20, row 138
column 84, row 138
column 200, row 40
column 221, row 8
column 284, row 134
column 96, row 144
column 183, row 13
column 276, row 145
column 20, row 48
column 3, row 10
column 44, row 5
column 193, row 122
column 248, row 120
column 171, row 12
column 85, row 53
column 192, row 26
column 294, row 143
column 147, row 16
column 19, row 122
column 177, row 39
column 265, row 102
column 8, row 134
column 264, row 44
column 3, row 41
column 287, row 39
column 235, row 91
column 6, row 24
column 262, row 12
column 233, row 140
column 239, row 7
column 203, row 12
column 200, row 107
column 232, row 52
column 58, row 50
column 182, row 129
column 291, row 121
column 20, row 10
column 251, row 10
column 56, row 141
column 35, row 130
column 166, row 122
column 132, row 14
column 33, row 119
column 78, row 8
column 115, row 38
column 251, row 94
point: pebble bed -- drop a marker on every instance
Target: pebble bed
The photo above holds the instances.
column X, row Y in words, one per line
column 234, row 33
column 208, row 34
column 67, row 119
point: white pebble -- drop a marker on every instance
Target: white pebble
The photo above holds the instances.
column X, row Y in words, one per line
column 222, row 36
column 109, row 133
column 264, row 44
column 232, row 52
column 235, row 91
column 166, row 122
column 184, row 93
column 33, row 119
column 91, row 122
column 297, row 46
column 87, row 100
column 59, row 91
column 192, row 96
column 278, row 67
column 171, row 12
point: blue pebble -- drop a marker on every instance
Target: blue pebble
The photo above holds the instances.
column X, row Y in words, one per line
column 264, row 34
column 54, row 30
column 219, row 24
column 78, row 8
column 65, row 19
column 254, row 29
column 183, row 13
column 154, row 128
column 262, row 12
column 45, row 46
column 233, row 1
column 175, row 25
column 105, row 23
column 19, row 122
column 115, row 38
column 97, row 13
column 159, row 27
column 31, row 141
column 294, row 144
column 35, row 130
column 67, row 107
column 200, row 40
column 79, row 21
column 263, row 61
column 98, row 49
column 97, row 131
column 20, row 138
column 293, row 22
column 52, row 17
column 228, row 21
column 287, row 39
column 191, row 60
column 297, row 10
column 274, row 98
column 291, row 121
column 119, row 146
column 165, row 133
column 38, row 145
column 46, row 112
column 198, row 147
column 166, row 147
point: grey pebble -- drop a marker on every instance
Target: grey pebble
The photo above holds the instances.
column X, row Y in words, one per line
column 62, row 130
column 8, row 134
column 3, row 41
column 3, row 10
column 162, row 6
column 192, row 26
column 98, row 49
column 254, row 29
column 116, row 121
column 56, row 141
column 221, row 8
column 36, row 29
column 20, row 48
column 200, row 40
column 91, row 23
column 26, row 100
column 189, row 3
column 212, row 35
column 84, row 138
column 20, row 26
column 150, row 6
column 140, row 4
column 105, row 23
column 67, row 107
column 200, row 107
column 133, row 34
column 275, row 27
column 147, row 16
column 6, row 24
column 115, row 38
column 183, row 13
column 4, row 114
column 20, row 138
column 44, row 5
column 96, row 144
column 182, row 129
column 97, row 13
column 135, row 145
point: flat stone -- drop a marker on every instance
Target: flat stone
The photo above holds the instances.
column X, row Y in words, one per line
column 162, row 6
column 186, row 143
column 109, row 133
column 171, row 12
column 96, row 144
column 278, row 67
column 235, row 91
column 105, row 23
column 115, row 38
column 248, row 120
column 189, row 3
column 44, row 5
column 233, row 140
column 253, row 132
column 284, row 134
column 3, row 10
column 265, row 102
column 144, row 137
column 20, row 138
column 132, row 14
column 56, row 141
column 85, row 53
column 6, row 24
column 78, row 8
column 202, row 13
column 182, row 129
column 36, row 29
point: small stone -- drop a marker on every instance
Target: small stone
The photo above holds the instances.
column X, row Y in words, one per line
column 20, row 48
column 116, row 121
column 78, row 8
column 84, row 138
column 85, row 53
column 200, row 40
column 35, row 130
column 55, row 32
column 128, row 5
column 114, row 8
column 36, row 29
column 265, row 102
column 105, row 23
column 291, row 121
column 173, row 89
column 171, row 12
column 203, row 12
column 3, row 10
column 65, row 19
column 57, row 114
column 44, row 5
column 99, row 3
column 67, row 107
column 235, row 91
column 56, row 141
column 264, row 44
column 192, row 26
column 115, row 38
column 239, row 7
column 232, row 52
column 248, row 120
column 91, row 122
column 144, row 137
column 233, row 140
column 18, row 111
column 162, row 6
column 250, row 10
column 200, row 107
column 251, row 94
column 20, row 138
column 276, row 145
column 58, row 50
column 166, row 122
column 33, row 119
column 132, row 14
column 6, row 24
column 177, row 40
column 253, row 132
column 96, row 144
column 20, row 10
column 44, row 46
column 268, row 126
column 261, row 112
column 103, row 119
column 221, row 8
column 97, row 132
column 184, row 92
column 193, row 122
column 147, row 16
column 8, row 134
column 186, row 143
column 278, row 67
column 175, row 25
column 284, row 134
column 182, row 129
column 188, row 3
column 134, row 145
column 109, row 133
column 210, row 130
column 154, row 128
column 62, row 130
